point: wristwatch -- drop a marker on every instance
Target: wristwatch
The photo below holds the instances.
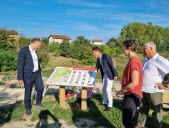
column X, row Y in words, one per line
column 165, row 84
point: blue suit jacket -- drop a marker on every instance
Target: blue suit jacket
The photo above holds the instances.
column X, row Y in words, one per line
column 25, row 64
column 107, row 65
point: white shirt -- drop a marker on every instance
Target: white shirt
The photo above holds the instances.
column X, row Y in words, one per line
column 35, row 59
column 100, row 59
column 154, row 71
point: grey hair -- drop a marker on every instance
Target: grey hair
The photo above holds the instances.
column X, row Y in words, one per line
column 150, row 44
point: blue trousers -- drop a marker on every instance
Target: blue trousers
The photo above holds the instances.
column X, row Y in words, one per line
column 36, row 79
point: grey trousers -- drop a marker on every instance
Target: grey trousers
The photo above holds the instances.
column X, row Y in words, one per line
column 152, row 101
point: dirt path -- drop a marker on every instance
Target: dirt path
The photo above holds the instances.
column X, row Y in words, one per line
column 85, row 123
column 11, row 95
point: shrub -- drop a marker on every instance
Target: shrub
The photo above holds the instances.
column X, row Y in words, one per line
column 2, row 83
column 8, row 60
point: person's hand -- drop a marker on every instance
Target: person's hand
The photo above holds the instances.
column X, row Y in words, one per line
column 160, row 86
column 118, row 94
column 137, row 126
column 20, row 82
column 115, row 78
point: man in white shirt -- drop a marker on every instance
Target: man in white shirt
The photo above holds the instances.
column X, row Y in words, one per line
column 154, row 69
column 29, row 73
column 34, row 58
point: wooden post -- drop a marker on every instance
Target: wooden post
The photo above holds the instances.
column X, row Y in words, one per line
column 84, row 98
column 62, row 96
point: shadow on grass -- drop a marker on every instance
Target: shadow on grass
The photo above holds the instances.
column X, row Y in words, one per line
column 6, row 113
column 165, row 122
column 164, row 125
column 44, row 121
column 149, row 123
column 117, row 103
column 54, row 92
column 95, row 116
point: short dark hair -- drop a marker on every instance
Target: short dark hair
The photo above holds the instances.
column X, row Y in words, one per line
column 35, row 39
column 132, row 44
column 96, row 49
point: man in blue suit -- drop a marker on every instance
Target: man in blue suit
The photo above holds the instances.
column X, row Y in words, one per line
column 109, row 73
column 29, row 73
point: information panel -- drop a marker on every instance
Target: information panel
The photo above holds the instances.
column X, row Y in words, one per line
column 83, row 77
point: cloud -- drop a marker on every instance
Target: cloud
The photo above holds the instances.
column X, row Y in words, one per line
column 96, row 14
column 154, row 18
column 86, row 27
column 104, row 35
column 84, row 3
column 126, row 18
column 104, row 32
column 91, row 18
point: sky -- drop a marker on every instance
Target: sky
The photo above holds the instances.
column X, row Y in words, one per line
column 94, row 19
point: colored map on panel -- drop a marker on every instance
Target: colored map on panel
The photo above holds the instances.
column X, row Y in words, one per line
column 60, row 75
column 84, row 77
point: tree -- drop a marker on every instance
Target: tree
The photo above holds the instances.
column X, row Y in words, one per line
column 8, row 60
column 45, row 40
column 43, row 54
column 8, row 52
column 86, row 56
column 82, row 40
column 65, row 48
column 77, row 49
column 4, row 41
column 54, row 48
column 144, row 33
column 23, row 41
column 111, row 42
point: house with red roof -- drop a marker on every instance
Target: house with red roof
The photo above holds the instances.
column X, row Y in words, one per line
column 58, row 38
column 97, row 42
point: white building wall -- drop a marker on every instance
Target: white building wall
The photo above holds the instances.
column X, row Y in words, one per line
column 58, row 40
column 97, row 43
column 51, row 40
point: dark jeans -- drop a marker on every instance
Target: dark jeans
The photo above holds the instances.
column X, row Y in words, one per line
column 130, row 104
column 36, row 79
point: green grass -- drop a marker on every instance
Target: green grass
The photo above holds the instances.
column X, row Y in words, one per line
column 2, row 83
column 47, row 73
column 52, row 111
column 62, row 61
column 120, row 62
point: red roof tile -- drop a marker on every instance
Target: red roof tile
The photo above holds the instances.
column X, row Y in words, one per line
column 96, row 40
column 60, row 37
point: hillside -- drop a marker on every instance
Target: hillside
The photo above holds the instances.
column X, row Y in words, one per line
column 61, row 61
column 119, row 62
